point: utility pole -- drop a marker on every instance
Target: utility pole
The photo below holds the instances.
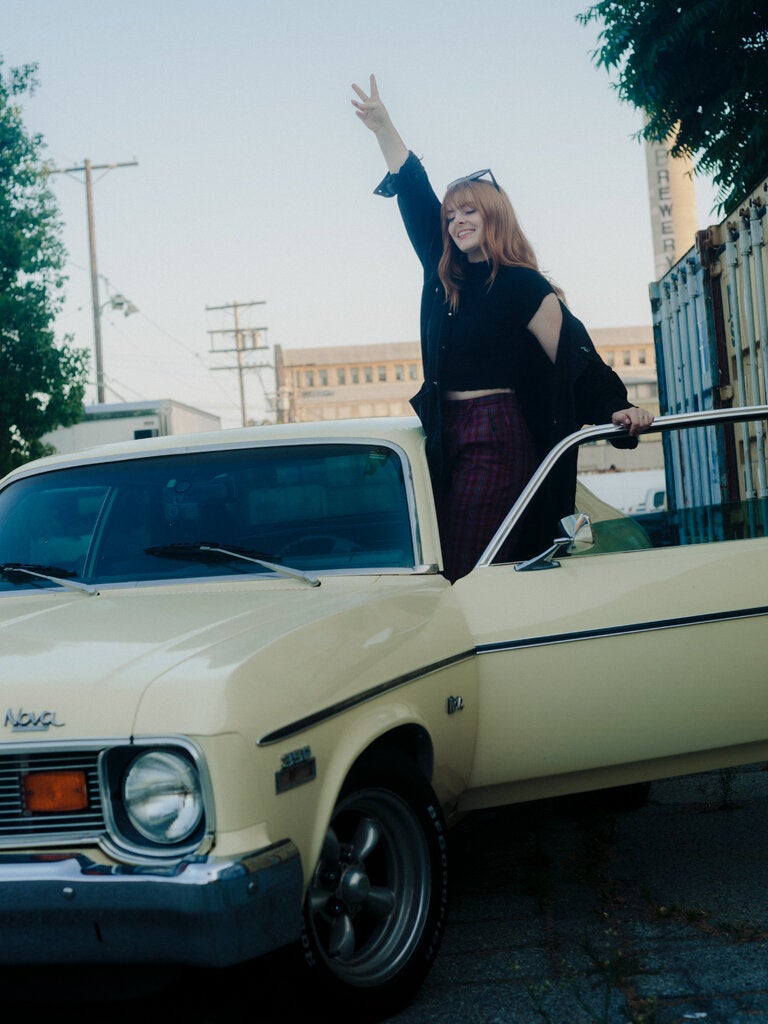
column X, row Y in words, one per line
column 88, row 167
column 241, row 335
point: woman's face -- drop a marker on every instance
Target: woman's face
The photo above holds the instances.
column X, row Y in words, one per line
column 467, row 229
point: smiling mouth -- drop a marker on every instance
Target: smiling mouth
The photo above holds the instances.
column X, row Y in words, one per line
column 464, row 233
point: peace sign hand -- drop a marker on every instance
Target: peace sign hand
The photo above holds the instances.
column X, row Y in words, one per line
column 370, row 109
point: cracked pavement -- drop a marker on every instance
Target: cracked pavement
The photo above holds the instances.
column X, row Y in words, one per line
column 566, row 913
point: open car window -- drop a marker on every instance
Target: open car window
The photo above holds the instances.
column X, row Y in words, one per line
column 314, row 507
column 701, row 485
column 695, row 478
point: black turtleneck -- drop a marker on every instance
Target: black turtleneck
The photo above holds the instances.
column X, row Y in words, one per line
column 482, row 341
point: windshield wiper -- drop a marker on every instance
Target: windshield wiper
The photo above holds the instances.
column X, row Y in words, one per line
column 52, row 573
column 203, row 548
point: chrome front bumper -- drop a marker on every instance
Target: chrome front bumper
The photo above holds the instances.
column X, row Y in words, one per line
column 204, row 911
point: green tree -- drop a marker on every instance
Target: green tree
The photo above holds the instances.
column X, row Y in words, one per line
column 41, row 382
column 699, row 71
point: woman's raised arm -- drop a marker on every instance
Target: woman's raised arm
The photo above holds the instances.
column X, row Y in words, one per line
column 375, row 116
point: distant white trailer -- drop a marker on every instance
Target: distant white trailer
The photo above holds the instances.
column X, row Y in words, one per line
column 126, row 421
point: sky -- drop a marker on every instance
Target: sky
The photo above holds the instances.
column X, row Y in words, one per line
column 253, row 178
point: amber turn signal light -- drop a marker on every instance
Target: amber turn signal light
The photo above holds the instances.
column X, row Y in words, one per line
column 46, row 792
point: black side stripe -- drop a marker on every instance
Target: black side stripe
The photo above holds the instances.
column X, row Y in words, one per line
column 633, row 627
column 360, row 698
column 300, row 725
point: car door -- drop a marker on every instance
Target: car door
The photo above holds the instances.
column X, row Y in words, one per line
column 633, row 651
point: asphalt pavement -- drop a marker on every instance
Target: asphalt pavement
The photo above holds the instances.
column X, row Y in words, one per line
column 563, row 912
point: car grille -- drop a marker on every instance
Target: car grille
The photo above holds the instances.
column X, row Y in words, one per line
column 18, row 824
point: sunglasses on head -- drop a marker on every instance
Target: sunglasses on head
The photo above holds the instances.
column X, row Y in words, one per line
column 476, row 176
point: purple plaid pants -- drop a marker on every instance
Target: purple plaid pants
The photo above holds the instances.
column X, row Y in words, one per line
column 488, row 458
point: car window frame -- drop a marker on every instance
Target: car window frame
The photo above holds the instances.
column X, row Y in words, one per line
column 606, row 431
column 93, row 459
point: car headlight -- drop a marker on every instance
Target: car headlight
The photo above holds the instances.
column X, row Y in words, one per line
column 162, row 798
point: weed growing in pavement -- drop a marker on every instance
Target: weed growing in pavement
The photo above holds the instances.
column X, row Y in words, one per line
column 735, row 931
column 725, row 782
column 601, row 970
column 586, row 1011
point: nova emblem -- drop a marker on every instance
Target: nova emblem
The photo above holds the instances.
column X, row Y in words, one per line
column 31, row 721
column 455, row 704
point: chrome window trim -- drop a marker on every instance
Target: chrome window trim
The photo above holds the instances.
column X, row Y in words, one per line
column 239, row 577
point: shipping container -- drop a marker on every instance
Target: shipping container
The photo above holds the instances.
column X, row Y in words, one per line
column 710, row 334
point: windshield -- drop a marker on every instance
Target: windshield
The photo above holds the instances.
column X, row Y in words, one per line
column 315, row 508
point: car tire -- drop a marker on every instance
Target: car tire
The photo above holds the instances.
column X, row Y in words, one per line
column 377, row 901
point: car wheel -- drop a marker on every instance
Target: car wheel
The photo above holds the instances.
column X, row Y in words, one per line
column 377, row 901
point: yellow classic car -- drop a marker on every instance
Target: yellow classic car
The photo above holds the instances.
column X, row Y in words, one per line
column 242, row 705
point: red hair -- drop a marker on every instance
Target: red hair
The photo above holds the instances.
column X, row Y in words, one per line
column 504, row 245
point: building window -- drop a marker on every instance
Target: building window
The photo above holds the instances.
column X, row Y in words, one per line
column 610, row 358
column 323, row 377
column 309, row 378
column 382, row 373
column 642, row 357
column 645, row 391
column 413, row 371
column 626, row 357
column 399, row 371
column 354, row 374
column 341, row 376
column 368, row 374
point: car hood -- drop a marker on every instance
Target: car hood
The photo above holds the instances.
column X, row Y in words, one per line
column 185, row 658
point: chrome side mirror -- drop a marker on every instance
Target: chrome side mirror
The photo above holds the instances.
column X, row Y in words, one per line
column 576, row 535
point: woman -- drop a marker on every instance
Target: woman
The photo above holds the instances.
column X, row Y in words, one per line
column 508, row 369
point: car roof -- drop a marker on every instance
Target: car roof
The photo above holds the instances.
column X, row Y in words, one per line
column 405, row 432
